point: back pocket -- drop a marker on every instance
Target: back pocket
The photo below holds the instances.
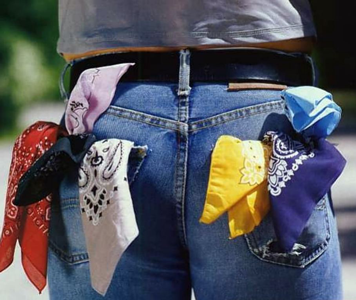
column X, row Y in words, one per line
column 311, row 244
column 66, row 236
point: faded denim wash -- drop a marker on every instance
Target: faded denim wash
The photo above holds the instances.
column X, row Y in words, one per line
column 173, row 252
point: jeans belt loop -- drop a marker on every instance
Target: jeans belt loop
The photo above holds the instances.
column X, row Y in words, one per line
column 184, row 72
column 64, row 94
column 315, row 70
column 187, row 66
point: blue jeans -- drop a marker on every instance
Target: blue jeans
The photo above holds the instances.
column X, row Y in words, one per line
column 174, row 253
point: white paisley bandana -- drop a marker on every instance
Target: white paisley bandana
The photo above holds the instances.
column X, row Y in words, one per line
column 108, row 216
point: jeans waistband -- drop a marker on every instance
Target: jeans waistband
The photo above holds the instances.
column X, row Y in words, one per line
column 217, row 65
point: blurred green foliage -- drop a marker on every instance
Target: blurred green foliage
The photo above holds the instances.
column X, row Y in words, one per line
column 29, row 63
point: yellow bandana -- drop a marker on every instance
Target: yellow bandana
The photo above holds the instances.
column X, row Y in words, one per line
column 237, row 184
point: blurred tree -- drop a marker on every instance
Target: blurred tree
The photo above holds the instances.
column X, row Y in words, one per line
column 29, row 63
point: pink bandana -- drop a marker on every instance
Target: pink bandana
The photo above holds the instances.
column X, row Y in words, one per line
column 91, row 96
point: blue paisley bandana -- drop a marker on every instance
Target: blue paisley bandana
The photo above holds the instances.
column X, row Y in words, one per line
column 299, row 175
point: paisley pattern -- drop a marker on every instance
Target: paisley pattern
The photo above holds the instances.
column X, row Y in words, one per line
column 96, row 177
column 237, row 184
column 108, row 215
column 91, row 96
column 29, row 224
column 255, row 163
column 287, row 156
column 45, row 175
column 300, row 173
column 77, row 114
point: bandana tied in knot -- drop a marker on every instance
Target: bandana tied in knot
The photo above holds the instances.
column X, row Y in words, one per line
column 237, row 184
column 91, row 96
column 300, row 172
column 45, row 175
column 299, row 175
column 108, row 216
column 311, row 110
column 40, row 162
column 28, row 224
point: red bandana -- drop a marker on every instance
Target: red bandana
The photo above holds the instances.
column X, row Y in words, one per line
column 28, row 224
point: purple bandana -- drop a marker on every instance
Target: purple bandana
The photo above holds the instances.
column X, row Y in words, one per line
column 306, row 170
column 91, row 96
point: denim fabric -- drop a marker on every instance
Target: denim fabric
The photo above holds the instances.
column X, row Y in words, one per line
column 173, row 252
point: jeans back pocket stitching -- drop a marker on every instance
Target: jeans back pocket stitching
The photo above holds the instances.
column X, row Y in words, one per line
column 317, row 251
column 139, row 153
column 231, row 115
column 236, row 114
column 73, row 258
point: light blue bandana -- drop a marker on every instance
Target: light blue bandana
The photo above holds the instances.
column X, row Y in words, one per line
column 311, row 110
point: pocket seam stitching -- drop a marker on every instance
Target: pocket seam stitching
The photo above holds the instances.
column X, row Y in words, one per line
column 233, row 118
column 68, row 203
column 317, row 252
column 271, row 104
column 71, row 259
column 192, row 126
